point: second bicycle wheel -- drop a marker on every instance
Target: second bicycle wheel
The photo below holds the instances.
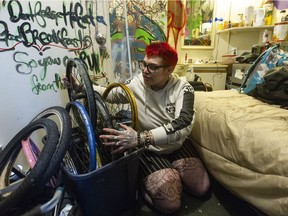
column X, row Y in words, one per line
column 83, row 144
column 121, row 105
column 103, row 121
column 18, row 186
column 80, row 87
column 61, row 117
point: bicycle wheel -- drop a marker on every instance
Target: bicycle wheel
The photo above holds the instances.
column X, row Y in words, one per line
column 103, row 121
column 83, row 148
column 121, row 105
column 80, row 87
column 63, row 120
column 31, row 182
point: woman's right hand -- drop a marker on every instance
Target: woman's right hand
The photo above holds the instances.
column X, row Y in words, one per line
column 122, row 139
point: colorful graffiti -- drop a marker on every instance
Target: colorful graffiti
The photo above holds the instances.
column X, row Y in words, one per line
column 65, row 29
column 145, row 21
column 176, row 20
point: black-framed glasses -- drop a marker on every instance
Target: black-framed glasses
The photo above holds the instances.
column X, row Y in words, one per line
column 152, row 68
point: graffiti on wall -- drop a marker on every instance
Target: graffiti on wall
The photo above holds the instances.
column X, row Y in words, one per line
column 145, row 21
column 38, row 37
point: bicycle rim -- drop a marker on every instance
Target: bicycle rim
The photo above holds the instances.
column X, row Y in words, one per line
column 121, row 105
column 103, row 121
column 83, row 148
column 61, row 117
column 80, row 87
column 34, row 180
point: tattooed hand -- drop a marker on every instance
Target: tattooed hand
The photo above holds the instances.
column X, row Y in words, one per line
column 123, row 140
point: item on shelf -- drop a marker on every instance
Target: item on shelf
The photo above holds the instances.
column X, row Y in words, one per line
column 265, row 37
column 282, row 17
column 259, row 17
column 268, row 6
column 225, row 26
column 248, row 15
column 240, row 20
column 280, row 33
column 228, row 59
column 219, row 23
column 229, row 24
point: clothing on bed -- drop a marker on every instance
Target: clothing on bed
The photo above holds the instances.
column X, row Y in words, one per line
column 274, row 89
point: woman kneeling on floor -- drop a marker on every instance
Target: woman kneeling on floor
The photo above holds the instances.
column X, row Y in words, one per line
column 165, row 114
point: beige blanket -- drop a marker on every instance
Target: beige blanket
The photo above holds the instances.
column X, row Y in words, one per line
column 244, row 144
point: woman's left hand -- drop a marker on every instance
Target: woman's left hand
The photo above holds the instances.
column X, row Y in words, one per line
column 122, row 139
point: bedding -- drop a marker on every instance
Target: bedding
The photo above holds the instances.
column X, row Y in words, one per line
column 243, row 142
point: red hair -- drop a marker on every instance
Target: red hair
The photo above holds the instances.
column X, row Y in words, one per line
column 163, row 50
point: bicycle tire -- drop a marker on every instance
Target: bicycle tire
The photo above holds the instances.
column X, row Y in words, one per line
column 83, row 131
column 36, row 179
column 114, row 95
column 134, row 106
column 63, row 121
column 103, row 121
column 84, row 91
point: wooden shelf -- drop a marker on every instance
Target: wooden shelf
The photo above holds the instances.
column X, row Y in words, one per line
column 245, row 29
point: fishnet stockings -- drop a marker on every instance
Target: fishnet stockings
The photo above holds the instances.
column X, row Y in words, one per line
column 193, row 175
column 163, row 190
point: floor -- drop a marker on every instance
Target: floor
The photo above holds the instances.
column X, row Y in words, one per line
column 219, row 202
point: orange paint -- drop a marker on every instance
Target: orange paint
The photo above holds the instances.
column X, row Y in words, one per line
column 176, row 19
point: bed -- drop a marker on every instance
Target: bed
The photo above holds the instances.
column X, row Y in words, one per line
column 243, row 142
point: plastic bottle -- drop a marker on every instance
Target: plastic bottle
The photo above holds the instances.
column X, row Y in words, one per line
column 282, row 16
column 265, row 36
column 229, row 24
column 268, row 5
column 240, row 20
column 219, row 23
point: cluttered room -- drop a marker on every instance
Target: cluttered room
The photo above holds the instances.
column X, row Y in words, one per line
column 147, row 107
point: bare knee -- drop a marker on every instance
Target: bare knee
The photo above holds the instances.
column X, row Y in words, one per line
column 163, row 190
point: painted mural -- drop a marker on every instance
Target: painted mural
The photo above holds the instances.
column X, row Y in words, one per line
column 198, row 31
column 176, row 21
column 133, row 26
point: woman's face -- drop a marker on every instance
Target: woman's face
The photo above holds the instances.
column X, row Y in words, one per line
column 155, row 72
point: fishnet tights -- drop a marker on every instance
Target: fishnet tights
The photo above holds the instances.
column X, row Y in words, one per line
column 193, row 175
column 163, row 190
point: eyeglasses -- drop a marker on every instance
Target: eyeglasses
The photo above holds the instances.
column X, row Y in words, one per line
column 152, row 68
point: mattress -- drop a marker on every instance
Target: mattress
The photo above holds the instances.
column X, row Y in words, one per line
column 243, row 142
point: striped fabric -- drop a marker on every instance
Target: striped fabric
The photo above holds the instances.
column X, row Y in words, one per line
column 151, row 162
